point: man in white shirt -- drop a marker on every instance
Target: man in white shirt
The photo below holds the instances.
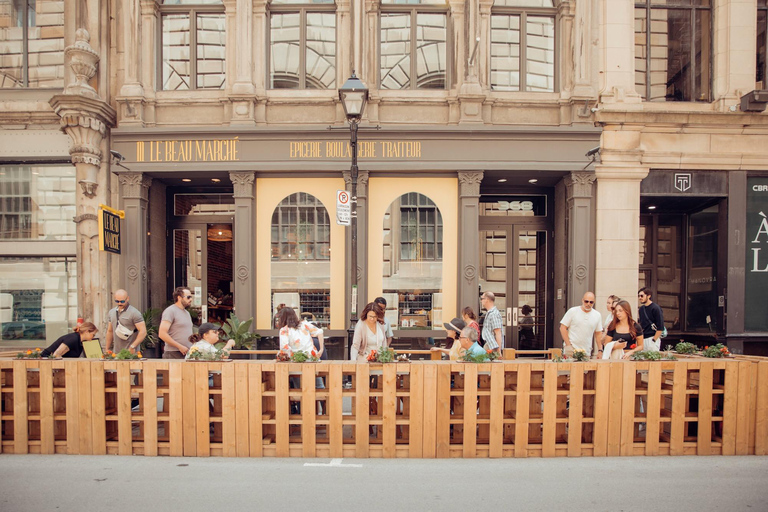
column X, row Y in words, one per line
column 579, row 325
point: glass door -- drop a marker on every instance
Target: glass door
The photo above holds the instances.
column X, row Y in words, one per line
column 202, row 262
column 513, row 265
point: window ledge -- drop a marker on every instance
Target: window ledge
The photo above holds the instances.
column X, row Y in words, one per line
column 525, row 96
column 27, row 94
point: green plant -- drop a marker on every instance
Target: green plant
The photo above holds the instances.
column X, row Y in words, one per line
column 579, row 354
column 302, row 357
column 239, row 331
column 383, row 355
column 718, row 350
column 652, row 355
column 486, row 357
column 686, row 348
column 123, row 355
column 196, row 354
column 150, row 316
column 33, row 354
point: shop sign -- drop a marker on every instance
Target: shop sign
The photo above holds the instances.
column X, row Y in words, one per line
column 343, row 208
column 109, row 229
column 397, row 150
column 756, row 285
column 203, row 150
column 685, row 183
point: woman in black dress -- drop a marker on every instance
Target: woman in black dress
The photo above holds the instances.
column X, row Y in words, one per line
column 71, row 345
column 624, row 330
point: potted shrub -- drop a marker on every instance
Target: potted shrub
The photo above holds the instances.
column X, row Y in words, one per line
column 150, row 347
column 239, row 331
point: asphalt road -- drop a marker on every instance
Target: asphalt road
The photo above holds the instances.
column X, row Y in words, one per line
column 144, row 484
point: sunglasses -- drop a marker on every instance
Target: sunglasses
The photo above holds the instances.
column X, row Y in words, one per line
column 589, row 302
column 119, row 301
column 641, row 296
column 188, row 297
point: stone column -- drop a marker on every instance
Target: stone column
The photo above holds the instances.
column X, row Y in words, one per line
column 240, row 42
column 245, row 244
column 135, row 193
column 618, row 231
column 362, row 240
column 734, row 49
column 469, row 240
column 85, row 117
column 617, row 32
column 583, row 56
column 260, row 71
column 579, row 226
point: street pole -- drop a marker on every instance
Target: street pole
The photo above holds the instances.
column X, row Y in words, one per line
column 353, row 227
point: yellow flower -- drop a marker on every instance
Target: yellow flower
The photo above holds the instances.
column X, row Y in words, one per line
column 29, row 351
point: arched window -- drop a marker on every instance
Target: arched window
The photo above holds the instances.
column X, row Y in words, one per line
column 413, row 262
column 301, row 252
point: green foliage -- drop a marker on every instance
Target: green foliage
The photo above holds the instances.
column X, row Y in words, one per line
column 386, row 355
column 198, row 355
column 486, row 357
column 302, row 357
column 580, row 355
column 239, row 331
column 653, row 355
column 714, row 351
column 686, row 348
column 150, row 320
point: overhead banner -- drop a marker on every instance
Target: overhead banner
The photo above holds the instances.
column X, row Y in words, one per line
column 109, row 229
column 755, row 310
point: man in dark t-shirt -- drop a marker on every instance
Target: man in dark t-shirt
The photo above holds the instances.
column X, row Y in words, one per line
column 651, row 318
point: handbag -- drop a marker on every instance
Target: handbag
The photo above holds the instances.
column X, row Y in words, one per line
column 122, row 331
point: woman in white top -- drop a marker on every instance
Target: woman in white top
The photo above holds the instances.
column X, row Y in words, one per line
column 369, row 333
column 295, row 335
column 207, row 336
column 612, row 301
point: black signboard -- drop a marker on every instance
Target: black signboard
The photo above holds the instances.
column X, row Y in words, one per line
column 109, row 230
column 756, row 295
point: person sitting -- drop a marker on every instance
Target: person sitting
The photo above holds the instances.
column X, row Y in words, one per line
column 71, row 345
column 205, row 340
column 453, row 330
column 468, row 341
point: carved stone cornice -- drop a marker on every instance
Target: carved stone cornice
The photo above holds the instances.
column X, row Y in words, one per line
column 84, row 217
column 579, row 184
column 362, row 182
column 149, row 7
column 372, row 6
column 135, row 185
column 243, row 183
column 469, row 183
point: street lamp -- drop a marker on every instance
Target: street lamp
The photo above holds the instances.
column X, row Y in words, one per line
column 353, row 95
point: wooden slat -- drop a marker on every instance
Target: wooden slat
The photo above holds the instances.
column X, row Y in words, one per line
column 362, row 404
column 389, row 411
column 704, row 438
column 240, row 392
column 73, row 418
column 679, row 398
column 575, row 410
column 21, row 408
column 496, row 441
column 761, row 410
column 429, row 439
column 149, row 407
column 603, row 393
column 308, row 434
column 98, row 406
column 753, row 383
column 255, row 407
column 416, row 412
column 174, row 405
column 730, row 407
column 188, row 406
column 550, row 410
column 523, row 410
column 282, row 410
column 202, row 408
column 335, row 406
column 46, row 409
column 653, row 409
column 470, row 411
column 742, row 408
column 628, row 400
column 229, row 423
column 443, row 411
column 616, row 390
column 124, row 434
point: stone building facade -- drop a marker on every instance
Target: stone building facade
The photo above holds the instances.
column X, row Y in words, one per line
column 478, row 153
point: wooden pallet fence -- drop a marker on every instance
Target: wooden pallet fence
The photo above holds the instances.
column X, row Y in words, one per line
column 422, row 409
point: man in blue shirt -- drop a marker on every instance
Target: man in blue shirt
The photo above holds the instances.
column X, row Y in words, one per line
column 468, row 340
column 492, row 325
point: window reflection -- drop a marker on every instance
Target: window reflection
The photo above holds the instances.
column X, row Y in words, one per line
column 762, row 42
column 301, row 251
column 406, row 53
column 413, row 263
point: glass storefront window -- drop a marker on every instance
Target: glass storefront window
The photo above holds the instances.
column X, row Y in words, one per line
column 413, row 49
column 37, row 202
column 301, row 252
column 203, row 204
column 413, row 263
column 513, row 206
column 38, row 299
column 702, row 271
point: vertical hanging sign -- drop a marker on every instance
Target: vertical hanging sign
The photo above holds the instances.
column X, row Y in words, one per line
column 109, row 229
column 756, row 282
column 343, row 208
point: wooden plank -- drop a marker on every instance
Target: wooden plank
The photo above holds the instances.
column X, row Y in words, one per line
column 84, row 407
column 575, row 409
column 282, row 411
column 98, row 408
column 335, row 406
column 46, row 409
column 229, row 424
column 753, row 383
column 730, row 407
column 188, row 406
column 389, row 411
column 21, row 408
column 256, row 375
column 174, row 404
column 73, row 418
column 470, row 411
column 124, row 433
column 742, row 408
column 523, row 410
column 653, row 410
column 496, row 441
column 550, row 411
column 616, row 387
column 416, row 411
column 628, row 400
column 679, row 398
column 603, row 393
column 149, row 407
column 761, row 410
column 202, row 408
column 429, row 438
column 443, row 411
column 362, row 409
column 242, row 418
column 704, row 438
column 308, row 412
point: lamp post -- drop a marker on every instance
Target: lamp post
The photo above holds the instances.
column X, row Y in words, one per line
column 353, row 95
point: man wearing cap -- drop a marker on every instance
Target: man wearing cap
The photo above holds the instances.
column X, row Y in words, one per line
column 453, row 330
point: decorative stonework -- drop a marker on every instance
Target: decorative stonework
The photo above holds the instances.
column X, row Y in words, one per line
column 362, row 182
column 85, row 216
column 469, row 273
column 132, row 272
column 83, row 61
column 579, row 184
column 469, row 183
column 135, row 185
column 581, row 273
column 243, row 183
column 243, row 273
